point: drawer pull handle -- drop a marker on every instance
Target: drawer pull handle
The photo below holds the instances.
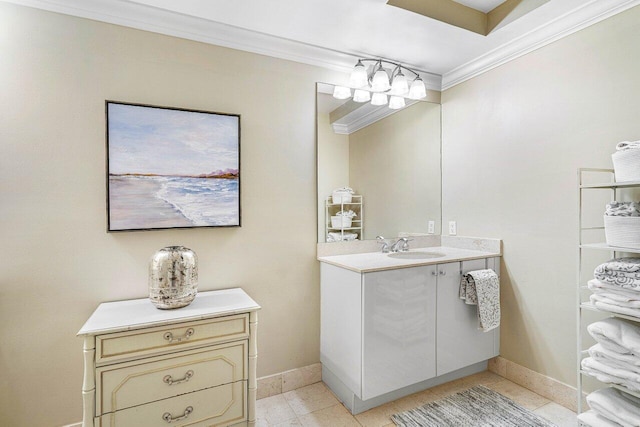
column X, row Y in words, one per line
column 169, row 418
column 169, row 336
column 187, row 376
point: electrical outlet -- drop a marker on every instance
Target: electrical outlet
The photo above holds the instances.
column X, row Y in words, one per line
column 453, row 229
column 431, row 227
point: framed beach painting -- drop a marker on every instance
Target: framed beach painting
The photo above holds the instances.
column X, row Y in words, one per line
column 171, row 168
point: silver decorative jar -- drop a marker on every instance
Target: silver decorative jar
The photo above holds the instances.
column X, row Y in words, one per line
column 173, row 277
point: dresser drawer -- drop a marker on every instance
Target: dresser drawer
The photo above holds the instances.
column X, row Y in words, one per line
column 218, row 406
column 130, row 384
column 165, row 339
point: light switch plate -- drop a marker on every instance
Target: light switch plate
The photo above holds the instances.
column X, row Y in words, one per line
column 453, row 229
column 431, row 227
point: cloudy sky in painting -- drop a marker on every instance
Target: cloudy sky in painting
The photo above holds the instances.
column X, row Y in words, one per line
column 170, row 142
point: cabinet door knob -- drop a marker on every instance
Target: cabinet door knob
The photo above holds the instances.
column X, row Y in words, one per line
column 169, row 418
column 434, row 273
column 443, row 273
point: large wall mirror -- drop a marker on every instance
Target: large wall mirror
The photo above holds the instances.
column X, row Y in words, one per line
column 389, row 158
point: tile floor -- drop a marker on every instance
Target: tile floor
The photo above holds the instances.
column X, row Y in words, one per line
column 316, row 406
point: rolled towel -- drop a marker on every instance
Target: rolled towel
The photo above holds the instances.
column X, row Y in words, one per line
column 593, row 419
column 482, row 288
column 616, row 335
column 611, row 375
column 616, row 406
column 622, row 209
column 615, row 360
column 598, row 351
column 627, row 145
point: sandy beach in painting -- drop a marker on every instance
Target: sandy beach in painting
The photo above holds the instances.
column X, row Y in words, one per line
column 166, row 202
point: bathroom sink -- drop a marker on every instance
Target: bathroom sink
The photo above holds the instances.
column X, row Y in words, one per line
column 415, row 255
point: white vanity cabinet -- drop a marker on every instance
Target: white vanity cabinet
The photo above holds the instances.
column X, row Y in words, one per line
column 398, row 328
column 192, row 366
column 459, row 341
column 389, row 333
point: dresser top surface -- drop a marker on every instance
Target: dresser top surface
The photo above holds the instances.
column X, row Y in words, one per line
column 121, row 316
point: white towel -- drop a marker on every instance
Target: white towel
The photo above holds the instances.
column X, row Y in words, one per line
column 608, row 374
column 593, row 419
column 627, row 145
column 614, row 308
column 616, row 335
column 612, row 291
column 616, row 405
column 615, row 300
column 628, row 361
column 482, row 288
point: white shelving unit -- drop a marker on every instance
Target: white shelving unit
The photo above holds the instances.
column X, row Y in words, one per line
column 357, row 224
column 608, row 182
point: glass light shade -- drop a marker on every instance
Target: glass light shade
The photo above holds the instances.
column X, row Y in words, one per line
column 358, row 76
column 396, row 102
column 341, row 92
column 378, row 99
column 360, row 95
column 399, row 86
column 380, row 81
column 417, row 90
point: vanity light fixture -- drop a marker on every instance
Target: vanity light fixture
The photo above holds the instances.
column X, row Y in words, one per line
column 376, row 83
column 360, row 95
column 341, row 92
column 396, row 102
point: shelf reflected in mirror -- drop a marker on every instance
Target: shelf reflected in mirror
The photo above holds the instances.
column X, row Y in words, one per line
column 390, row 158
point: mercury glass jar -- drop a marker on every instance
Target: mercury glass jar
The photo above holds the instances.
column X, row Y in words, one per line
column 173, row 277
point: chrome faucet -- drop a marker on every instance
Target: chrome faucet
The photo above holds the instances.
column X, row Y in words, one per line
column 384, row 243
column 402, row 245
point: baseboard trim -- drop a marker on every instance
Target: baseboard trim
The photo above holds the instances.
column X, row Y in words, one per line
column 289, row 380
column 548, row 387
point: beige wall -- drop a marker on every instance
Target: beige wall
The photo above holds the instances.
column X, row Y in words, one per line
column 512, row 141
column 395, row 164
column 333, row 166
column 57, row 261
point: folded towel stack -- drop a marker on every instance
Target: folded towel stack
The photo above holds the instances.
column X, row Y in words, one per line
column 616, row 286
column 482, row 288
column 341, row 237
column 615, row 359
column 611, row 407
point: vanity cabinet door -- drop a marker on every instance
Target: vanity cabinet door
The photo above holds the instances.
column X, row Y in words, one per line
column 399, row 329
column 460, row 342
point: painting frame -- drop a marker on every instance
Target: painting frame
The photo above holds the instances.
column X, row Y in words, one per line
column 171, row 168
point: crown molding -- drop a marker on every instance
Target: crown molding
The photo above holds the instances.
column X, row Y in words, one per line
column 569, row 23
column 147, row 18
column 362, row 121
column 363, row 117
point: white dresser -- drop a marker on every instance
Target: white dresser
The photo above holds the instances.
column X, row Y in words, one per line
column 193, row 366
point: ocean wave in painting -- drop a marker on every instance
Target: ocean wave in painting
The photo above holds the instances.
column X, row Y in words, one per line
column 203, row 201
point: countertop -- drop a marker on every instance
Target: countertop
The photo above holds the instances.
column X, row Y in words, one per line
column 378, row 261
